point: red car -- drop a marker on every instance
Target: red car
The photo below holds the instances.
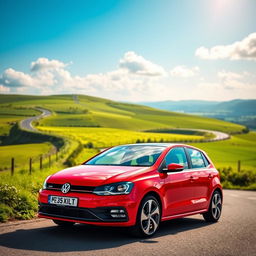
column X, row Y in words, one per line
column 136, row 186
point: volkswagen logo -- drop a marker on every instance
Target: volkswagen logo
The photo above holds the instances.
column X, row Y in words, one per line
column 65, row 188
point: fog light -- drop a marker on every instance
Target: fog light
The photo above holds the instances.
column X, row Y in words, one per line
column 117, row 213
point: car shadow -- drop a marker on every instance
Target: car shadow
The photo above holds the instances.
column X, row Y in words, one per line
column 85, row 237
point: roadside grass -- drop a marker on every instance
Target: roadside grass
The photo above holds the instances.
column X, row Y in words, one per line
column 22, row 153
column 6, row 123
column 18, row 193
column 70, row 120
column 10, row 110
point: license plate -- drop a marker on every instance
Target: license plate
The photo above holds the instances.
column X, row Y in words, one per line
column 63, row 200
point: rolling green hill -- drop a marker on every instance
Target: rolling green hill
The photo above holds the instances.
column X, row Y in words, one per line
column 87, row 111
column 238, row 111
column 100, row 121
column 106, row 123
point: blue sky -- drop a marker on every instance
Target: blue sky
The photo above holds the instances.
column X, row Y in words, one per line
column 156, row 42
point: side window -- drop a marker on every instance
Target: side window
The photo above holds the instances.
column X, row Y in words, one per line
column 177, row 156
column 197, row 160
column 206, row 161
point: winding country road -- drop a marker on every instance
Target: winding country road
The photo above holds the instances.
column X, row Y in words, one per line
column 217, row 135
column 234, row 234
column 26, row 124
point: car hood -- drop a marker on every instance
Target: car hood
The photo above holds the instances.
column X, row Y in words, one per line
column 96, row 175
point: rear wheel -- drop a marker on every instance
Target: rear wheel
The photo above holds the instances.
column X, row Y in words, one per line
column 148, row 217
column 63, row 223
column 215, row 208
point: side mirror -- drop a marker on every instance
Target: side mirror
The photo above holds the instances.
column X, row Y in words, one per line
column 174, row 168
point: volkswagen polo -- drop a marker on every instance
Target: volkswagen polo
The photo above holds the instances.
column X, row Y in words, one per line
column 135, row 186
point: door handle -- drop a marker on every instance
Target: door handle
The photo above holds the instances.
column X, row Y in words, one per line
column 192, row 178
column 210, row 176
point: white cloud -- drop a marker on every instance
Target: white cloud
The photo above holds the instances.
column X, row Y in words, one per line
column 232, row 80
column 51, row 77
column 183, row 71
column 244, row 49
column 45, row 64
column 13, row 78
column 138, row 65
column 130, row 85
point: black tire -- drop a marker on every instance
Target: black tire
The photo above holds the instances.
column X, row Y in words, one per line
column 63, row 223
column 148, row 226
column 214, row 212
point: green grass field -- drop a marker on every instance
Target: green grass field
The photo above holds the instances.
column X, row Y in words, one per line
column 22, row 153
column 227, row 153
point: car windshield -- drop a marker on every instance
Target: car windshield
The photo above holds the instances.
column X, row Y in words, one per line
column 130, row 155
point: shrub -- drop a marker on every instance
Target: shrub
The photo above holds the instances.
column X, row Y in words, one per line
column 5, row 212
column 231, row 178
column 14, row 203
column 8, row 195
column 26, row 206
column 88, row 145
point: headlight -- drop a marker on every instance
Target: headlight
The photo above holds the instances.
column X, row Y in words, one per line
column 45, row 182
column 120, row 188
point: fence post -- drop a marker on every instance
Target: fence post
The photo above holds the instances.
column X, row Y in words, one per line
column 30, row 165
column 49, row 160
column 41, row 162
column 238, row 165
column 12, row 166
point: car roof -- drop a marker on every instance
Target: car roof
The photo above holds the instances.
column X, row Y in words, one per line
column 167, row 145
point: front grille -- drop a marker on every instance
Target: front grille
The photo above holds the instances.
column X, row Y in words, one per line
column 100, row 214
column 73, row 188
column 67, row 212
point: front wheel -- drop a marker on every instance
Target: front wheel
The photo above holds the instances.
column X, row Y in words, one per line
column 148, row 217
column 63, row 223
column 215, row 208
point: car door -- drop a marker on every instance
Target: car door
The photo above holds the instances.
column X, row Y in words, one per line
column 200, row 178
column 178, row 186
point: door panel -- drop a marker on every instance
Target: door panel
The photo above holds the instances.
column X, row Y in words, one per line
column 202, row 179
column 179, row 193
column 178, row 185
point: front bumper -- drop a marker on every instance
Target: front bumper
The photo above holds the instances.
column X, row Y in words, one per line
column 92, row 209
column 99, row 214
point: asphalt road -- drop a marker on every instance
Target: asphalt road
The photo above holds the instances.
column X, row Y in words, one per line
column 218, row 135
column 234, row 234
column 26, row 124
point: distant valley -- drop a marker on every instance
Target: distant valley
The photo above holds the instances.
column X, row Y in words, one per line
column 238, row 111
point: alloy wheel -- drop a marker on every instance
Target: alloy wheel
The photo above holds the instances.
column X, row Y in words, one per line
column 216, row 206
column 150, row 217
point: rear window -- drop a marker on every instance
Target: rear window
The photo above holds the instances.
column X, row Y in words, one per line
column 206, row 161
column 196, row 158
